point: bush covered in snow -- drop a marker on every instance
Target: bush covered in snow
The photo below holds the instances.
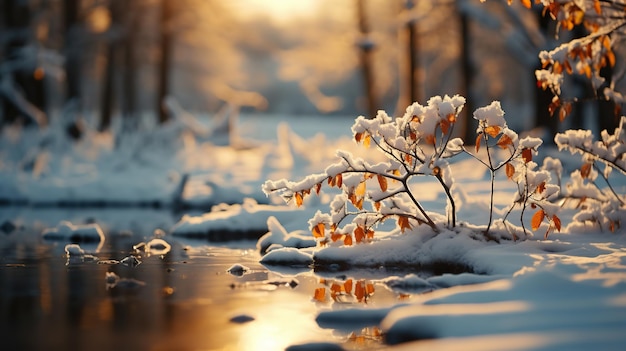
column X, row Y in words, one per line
column 420, row 144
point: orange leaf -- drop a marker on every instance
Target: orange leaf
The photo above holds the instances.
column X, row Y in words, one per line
column 478, row 140
column 334, row 236
column 510, row 170
column 557, row 222
column 369, row 288
column 367, row 140
column 359, row 291
column 505, row 141
column 369, row 234
column 527, row 3
column 347, row 286
column 493, row 131
column 299, row 199
column 597, row 7
column 347, row 240
column 359, row 234
column 585, row 170
column 339, row 179
column 320, row 294
column 527, row 155
column 540, row 188
column 382, row 181
column 403, row 223
column 335, row 288
column 318, row 230
column 377, row 205
column 408, row 158
column 360, row 189
column 535, row 222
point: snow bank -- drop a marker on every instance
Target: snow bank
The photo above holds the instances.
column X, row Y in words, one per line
column 66, row 231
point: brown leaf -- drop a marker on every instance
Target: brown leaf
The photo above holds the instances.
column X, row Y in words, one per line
column 540, row 188
column 335, row 236
column 527, row 155
column 510, row 170
column 403, row 223
column 359, row 234
column 318, row 187
column 478, row 140
column 377, row 205
column 585, row 170
column 358, row 137
column 382, row 181
column 359, row 291
column 535, row 222
column 505, row 141
column 557, row 222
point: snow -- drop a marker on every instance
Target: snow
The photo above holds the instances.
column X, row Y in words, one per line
column 467, row 292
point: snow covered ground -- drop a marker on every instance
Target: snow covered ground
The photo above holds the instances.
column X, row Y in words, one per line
column 564, row 293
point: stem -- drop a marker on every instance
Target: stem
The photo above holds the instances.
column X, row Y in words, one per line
column 449, row 194
column 493, row 179
column 608, row 184
column 419, row 207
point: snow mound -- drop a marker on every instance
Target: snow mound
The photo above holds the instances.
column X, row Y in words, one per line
column 66, row 231
column 247, row 221
column 287, row 257
column 279, row 237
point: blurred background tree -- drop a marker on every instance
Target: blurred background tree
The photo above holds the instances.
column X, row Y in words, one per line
column 84, row 63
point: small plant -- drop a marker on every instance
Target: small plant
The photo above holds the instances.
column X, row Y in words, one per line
column 605, row 207
column 417, row 144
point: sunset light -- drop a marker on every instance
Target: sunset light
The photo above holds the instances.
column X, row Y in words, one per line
column 280, row 11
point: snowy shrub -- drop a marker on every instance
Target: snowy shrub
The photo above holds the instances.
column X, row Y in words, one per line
column 605, row 207
column 418, row 144
column 605, row 23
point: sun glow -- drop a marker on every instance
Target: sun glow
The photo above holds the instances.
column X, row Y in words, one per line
column 281, row 11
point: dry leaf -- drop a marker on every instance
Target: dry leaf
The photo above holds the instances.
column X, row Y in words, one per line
column 557, row 222
column 510, row 170
column 382, row 181
column 320, row 294
column 527, row 155
column 535, row 222
column 318, row 230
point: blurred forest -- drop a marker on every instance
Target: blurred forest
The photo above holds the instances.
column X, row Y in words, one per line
column 93, row 62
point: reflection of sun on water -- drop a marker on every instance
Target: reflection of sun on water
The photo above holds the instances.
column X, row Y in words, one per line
column 278, row 10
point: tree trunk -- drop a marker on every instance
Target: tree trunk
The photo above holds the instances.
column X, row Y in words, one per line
column 413, row 48
column 72, row 50
column 108, row 99
column 366, row 54
column 167, row 8
column 467, row 72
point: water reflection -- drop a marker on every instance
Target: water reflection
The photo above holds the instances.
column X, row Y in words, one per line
column 186, row 301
